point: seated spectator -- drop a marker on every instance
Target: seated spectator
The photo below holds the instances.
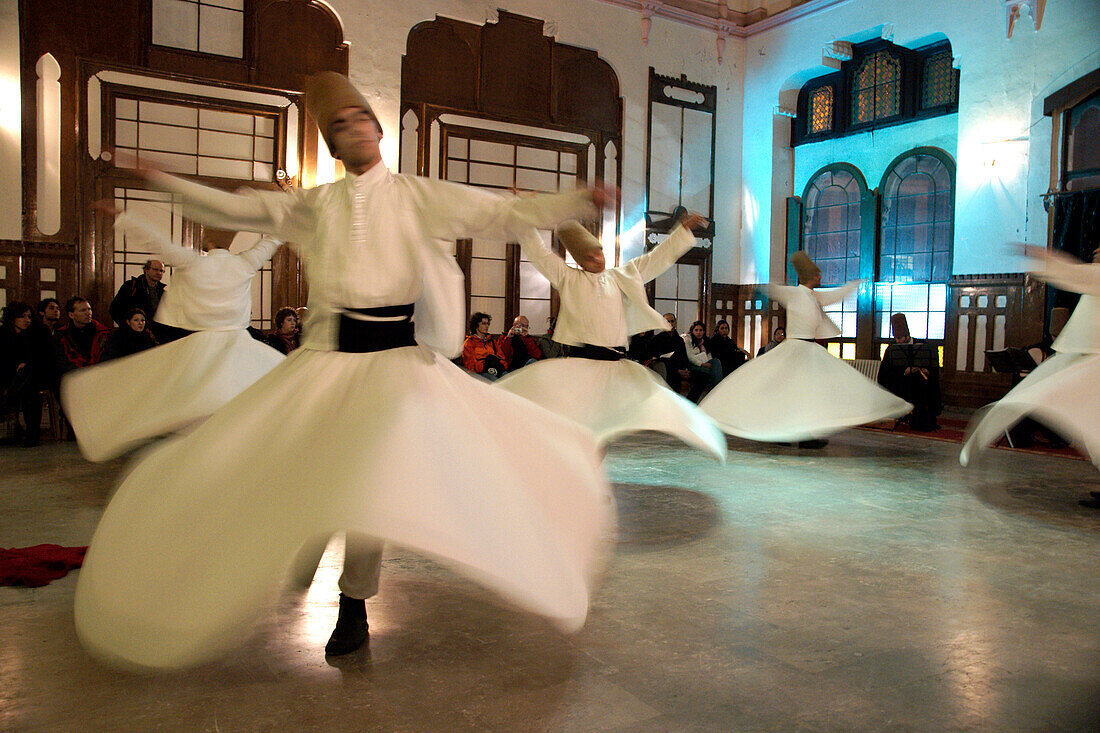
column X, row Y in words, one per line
column 80, row 342
column 518, row 346
column 286, row 336
column 49, row 314
column 130, row 338
column 550, row 348
column 668, row 355
column 911, row 370
column 779, row 334
column 723, row 348
column 25, row 355
column 142, row 291
column 481, row 353
column 706, row 371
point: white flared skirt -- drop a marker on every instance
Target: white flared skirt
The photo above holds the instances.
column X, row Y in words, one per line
column 615, row 398
column 118, row 405
column 797, row 391
column 1061, row 393
column 399, row 445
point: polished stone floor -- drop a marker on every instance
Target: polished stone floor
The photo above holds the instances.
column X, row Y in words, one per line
column 874, row 585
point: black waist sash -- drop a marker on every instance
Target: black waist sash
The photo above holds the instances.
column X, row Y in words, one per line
column 599, row 353
column 355, row 336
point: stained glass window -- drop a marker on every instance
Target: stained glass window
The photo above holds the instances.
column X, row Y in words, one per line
column 940, row 85
column 917, row 217
column 821, row 110
column 876, row 88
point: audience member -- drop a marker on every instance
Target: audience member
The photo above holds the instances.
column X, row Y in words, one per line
column 668, row 355
column 550, row 348
column 706, row 371
column 142, row 291
column 130, row 338
column 49, row 314
column 911, row 370
column 80, row 342
column 481, row 353
column 724, row 349
column 24, row 359
column 518, row 346
column 779, row 334
column 286, row 336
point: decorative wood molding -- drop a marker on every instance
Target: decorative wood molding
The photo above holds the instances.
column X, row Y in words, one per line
column 720, row 19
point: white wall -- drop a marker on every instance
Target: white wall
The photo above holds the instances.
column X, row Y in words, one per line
column 11, row 193
column 1001, row 85
column 872, row 151
column 377, row 33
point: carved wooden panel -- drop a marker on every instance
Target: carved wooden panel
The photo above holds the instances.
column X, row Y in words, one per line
column 510, row 70
column 987, row 313
column 440, row 65
column 30, row 271
column 515, row 67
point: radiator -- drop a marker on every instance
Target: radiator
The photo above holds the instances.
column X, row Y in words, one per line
column 866, row 367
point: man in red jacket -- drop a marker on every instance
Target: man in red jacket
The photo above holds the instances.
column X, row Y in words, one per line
column 80, row 342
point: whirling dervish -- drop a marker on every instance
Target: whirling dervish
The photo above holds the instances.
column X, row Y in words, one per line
column 798, row 391
column 118, row 405
column 1061, row 392
column 601, row 307
column 392, row 442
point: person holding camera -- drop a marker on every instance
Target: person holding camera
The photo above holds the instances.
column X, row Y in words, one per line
column 481, row 353
column 518, row 345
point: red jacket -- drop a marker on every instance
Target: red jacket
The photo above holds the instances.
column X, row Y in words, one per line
column 70, row 354
column 505, row 343
column 475, row 350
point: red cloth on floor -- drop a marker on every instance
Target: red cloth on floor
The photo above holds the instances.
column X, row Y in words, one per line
column 38, row 565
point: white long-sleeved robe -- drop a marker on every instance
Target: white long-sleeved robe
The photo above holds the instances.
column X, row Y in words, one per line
column 612, row 398
column 118, row 405
column 398, row 445
column 1062, row 391
column 798, row 390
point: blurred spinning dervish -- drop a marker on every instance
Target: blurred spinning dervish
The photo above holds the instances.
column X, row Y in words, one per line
column 392, row 442
column 601, row 307
column 798, row 391
column 1061, row 392
column 118, row 405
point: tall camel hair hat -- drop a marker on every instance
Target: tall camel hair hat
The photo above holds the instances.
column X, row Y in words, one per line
column 326, row 94
column 804, row 266
column 899, row 326
column 576, row 238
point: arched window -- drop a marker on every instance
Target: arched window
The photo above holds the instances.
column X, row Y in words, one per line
column 918, row 197
column 876, row 88
column 832, row 232
column 915, row 242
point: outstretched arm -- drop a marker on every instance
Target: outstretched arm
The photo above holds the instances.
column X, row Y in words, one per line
column 1063, row 271
column 651, row 264
column 552, row 267
column 285, row 214
column 133, row 225
column 453, row 211
column 835, row 295
column 261, row 252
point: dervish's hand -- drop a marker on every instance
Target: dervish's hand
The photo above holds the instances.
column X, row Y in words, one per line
column 603, row 194
column 143, row 169
column 693, row 220
column 107, row 206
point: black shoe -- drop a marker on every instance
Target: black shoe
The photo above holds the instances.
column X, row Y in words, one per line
column 1090, row 503
column 814, row 444
column 351, row 627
